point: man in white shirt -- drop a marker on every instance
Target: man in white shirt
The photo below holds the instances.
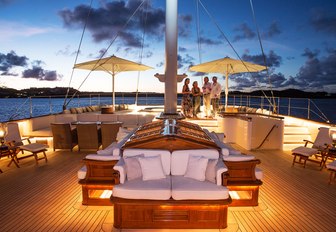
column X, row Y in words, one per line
column 206, row 89
column 215, row 95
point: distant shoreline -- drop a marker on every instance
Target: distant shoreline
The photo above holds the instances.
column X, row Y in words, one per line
column 61, row 92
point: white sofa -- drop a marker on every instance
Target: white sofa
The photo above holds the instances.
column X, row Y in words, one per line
column 175, row 185
column 179, row 189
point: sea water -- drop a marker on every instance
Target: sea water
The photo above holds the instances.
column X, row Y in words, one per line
column 19, row 108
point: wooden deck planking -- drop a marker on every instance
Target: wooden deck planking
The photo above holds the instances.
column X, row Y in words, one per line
column 45, row 197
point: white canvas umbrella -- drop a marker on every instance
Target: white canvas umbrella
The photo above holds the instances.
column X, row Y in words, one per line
column 227, row 66
column 112, row 65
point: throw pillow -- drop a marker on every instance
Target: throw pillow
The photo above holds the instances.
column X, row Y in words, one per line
column 196, row 167
column 151, row 168
column 210, row 173
column 133, row 168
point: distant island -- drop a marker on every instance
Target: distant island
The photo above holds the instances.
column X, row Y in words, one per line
column 62, row 91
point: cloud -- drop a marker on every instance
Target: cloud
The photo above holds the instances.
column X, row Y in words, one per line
column 184, row 25
column 272, row 59
column 244, row 31
column 184, row 61
column 107, row 20
column 39, row 73
column 272, row 30
column 324, row 22
column 13, row 29
column 6, row 2
column 209, row 41
column 9, row 60
column 182, row 49
column 317, row 71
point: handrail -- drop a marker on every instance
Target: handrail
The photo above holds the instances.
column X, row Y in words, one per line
column 297, row 107
column 262, row 143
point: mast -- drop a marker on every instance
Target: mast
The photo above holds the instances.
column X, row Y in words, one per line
column 171, row 58
column 170, row 77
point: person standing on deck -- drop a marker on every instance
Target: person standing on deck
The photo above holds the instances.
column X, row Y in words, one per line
column 215, row 95
column 196, row 98
column 186, row 100
column 206, row 89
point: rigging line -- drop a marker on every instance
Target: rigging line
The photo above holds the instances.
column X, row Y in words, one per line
column 227, row 40
column 141, row 52
column 77, row 54
column 103, row 54
column 263, row 52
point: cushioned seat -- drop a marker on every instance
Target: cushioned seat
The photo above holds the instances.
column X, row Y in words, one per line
column 323, row 139
column 184, row 188
column 150, row 190
column 305, row 151
column 332, row 168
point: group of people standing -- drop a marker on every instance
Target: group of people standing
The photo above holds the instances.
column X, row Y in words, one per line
column 191, row 100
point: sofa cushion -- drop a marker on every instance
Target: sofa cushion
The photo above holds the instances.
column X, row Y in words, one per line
column 179, row 158
column 151, row 168
column 108, row 150
column 196, row 167
column 133, row 168
column 102, row 157
column 238, row 158
column 210, row 173
column 226, row 149
column 259, row 174
column 190, row 189
column 81, row 174
column 139, row 189
column 165, row 156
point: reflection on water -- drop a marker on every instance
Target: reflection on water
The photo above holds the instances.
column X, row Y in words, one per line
column 25, row 108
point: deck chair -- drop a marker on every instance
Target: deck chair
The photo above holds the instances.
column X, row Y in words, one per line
column 14, row 136
column 89, row 137
column 63, row 136
column 109, row 131
column 303, row 153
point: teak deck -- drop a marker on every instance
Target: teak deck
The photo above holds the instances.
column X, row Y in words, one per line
column 47, row 197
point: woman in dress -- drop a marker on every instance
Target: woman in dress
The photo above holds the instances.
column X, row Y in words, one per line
column 186, row 100
column 196, row 98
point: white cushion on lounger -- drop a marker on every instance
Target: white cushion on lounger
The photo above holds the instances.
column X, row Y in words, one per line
column 238, row 158
column 81, row 174
column 332, row 165
column 184, row 188
column 102, row 157
column 306, row 151
column 139, row 189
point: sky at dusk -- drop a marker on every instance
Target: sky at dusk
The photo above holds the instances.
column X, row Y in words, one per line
column 39, row 40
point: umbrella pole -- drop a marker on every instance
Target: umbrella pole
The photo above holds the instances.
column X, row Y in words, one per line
column 113, row 93
column 226, row 88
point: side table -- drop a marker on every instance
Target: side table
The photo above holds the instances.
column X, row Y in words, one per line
column 328, row 153
column 6, row 150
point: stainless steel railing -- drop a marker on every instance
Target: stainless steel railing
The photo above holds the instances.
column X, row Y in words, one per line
column 38, row 106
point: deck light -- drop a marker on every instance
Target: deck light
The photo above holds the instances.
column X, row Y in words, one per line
column 2, row 134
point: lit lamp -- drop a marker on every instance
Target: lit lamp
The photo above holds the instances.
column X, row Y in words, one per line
column 333, row 136
column 2, row 135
